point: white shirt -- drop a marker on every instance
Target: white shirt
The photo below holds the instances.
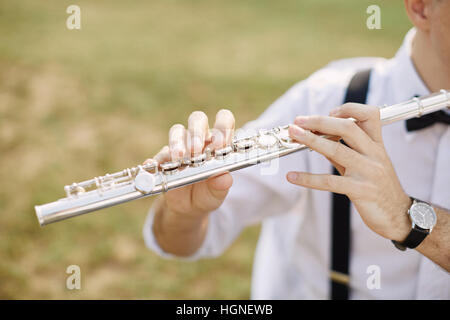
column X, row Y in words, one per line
column 292, row 259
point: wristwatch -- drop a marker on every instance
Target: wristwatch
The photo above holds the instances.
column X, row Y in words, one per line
column 423, row 219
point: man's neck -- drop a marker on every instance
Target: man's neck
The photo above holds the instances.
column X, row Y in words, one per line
column 433, row 72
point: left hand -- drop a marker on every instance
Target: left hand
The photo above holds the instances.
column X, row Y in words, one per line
column 367, row 175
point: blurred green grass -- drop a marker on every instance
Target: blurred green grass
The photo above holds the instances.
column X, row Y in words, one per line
column 77, row 104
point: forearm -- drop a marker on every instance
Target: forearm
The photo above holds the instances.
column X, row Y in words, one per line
column 176, row 233
column 436, row 245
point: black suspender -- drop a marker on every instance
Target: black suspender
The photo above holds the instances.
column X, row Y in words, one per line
column 340, row 220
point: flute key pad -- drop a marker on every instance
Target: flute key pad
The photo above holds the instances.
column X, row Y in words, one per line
column 170, row 167
column 267, row 141
column 222, row 153
column 244, row 145
column 144, row 182
column 198, row 160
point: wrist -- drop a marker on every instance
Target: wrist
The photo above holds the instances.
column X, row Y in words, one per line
column 189, row 221
column 176, row 233
column 403, row 223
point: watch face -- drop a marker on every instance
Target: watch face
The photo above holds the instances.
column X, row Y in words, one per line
column 423, row 215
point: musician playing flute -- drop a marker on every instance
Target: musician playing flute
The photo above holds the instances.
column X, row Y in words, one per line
column 384, row 208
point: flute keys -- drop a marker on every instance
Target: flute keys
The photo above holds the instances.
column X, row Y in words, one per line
column 267, row 141
column 74, row 190
column 222, row 153
column 285, row 139
column 284, row 136
column 244, row 145
column 198, row 160
column 170, row 167
column 186, row 161
column 151, row 166
column 144, row 182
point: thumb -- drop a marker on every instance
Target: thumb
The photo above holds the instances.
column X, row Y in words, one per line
column 209, row 195
column 220, row 184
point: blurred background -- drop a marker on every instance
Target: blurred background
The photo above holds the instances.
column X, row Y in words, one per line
column 75, row 104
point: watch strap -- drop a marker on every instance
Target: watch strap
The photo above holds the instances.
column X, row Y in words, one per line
column 414, row 238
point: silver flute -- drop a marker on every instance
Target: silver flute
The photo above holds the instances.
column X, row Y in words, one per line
column 153, row 178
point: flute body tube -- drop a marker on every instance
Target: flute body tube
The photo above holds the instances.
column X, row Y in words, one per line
column 153, row 178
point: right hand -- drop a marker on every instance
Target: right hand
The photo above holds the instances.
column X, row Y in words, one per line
column 197, row 200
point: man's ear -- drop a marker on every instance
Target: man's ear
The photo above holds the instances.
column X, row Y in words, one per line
column 419, row 12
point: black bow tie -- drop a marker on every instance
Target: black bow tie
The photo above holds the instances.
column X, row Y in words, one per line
column 427, row 120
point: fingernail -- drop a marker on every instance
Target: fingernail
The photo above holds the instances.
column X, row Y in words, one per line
column 292, row 176
column 296, row 131
column 300, row 120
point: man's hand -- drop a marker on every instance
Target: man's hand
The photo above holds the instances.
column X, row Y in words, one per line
column 182, row 214
column 367, row 175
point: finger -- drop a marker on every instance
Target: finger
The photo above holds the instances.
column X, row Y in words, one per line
column 222, row 134
column 197, row 131
column 338, row 167
column 325, row 182
column 335, row 151
column 368, row 118
column 177, row 145
column 162, row 156
column 353, row 135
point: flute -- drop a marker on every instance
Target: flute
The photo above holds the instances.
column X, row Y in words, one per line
column 153, row 178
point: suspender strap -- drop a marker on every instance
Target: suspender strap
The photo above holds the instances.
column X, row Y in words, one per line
column 340, row 222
